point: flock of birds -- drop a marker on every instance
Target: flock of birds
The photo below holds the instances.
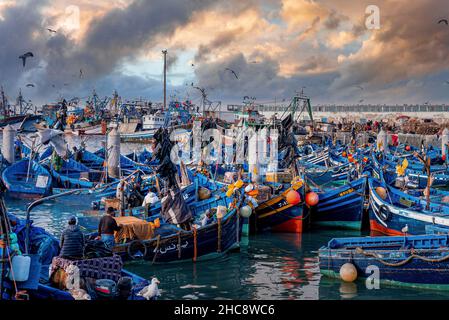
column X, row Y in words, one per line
column 30, row 54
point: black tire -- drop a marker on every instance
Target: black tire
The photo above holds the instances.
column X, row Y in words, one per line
column 384, row 213
column 137, row 244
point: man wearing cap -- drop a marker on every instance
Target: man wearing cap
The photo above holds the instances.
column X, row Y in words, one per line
column 72, row 241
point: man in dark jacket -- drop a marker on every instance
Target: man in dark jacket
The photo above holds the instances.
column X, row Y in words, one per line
column 107, row 227
column 72, row 241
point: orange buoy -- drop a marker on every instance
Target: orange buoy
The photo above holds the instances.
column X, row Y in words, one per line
column 343, row 153
column 382, row 192
column 443, row 157
column 293, row 197
column 312, row 199
column 348, row 272
column 157, row 222
column 407, row 148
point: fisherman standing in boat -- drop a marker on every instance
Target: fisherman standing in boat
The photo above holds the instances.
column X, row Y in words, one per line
column 107, row 227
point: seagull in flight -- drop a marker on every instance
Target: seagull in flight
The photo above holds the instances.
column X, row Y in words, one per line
column 81, row 73
column 25, row 56
column 233, row 72
column 30, row 85
column 51, row 30
column 443, row 21
column 360, row 87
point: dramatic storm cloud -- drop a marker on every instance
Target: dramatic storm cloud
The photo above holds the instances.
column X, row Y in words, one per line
column 276, row 47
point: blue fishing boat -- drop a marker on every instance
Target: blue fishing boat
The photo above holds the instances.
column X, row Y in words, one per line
column 173, row 244
column 27, row 180
column 42, row 249
column 394, row 212
column 340, row 207
column 126, row 164
column 72, row 175
column 417, row 178
column 92, row 161
column 415, row 261
column 276, row 214
column 322, row 175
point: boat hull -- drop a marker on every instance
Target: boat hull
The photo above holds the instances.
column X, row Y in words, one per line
column 342, row 207
column 208, row 242
column 277, row 215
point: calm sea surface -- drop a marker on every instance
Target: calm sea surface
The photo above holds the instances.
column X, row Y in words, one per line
column 268, row 266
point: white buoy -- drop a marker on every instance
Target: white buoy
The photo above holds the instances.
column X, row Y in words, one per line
column 113, row 147
column 9, row 135
column 444, row 142
column 348, row 272
column 382, row 141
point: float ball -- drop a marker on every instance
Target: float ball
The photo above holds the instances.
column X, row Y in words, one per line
column 348, row 272
column 407, row 148
column 293, row 197
column 381, row 192
column 245, row 211
column 312, row 199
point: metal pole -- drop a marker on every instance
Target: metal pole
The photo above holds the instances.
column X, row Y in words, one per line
column 165, row 78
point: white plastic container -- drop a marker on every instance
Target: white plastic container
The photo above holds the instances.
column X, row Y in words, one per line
column 20, row 268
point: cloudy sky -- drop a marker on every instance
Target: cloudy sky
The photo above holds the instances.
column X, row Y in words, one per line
column 275, row 46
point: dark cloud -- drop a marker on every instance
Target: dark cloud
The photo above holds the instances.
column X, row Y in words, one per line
column 16, row 34
column 334, row 20
column 402, row 49
column 120, row 35
column 261, row 80
column 223, row 39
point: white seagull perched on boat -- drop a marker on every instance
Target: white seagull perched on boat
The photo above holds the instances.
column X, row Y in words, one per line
column 405, row 229
column 151, row 292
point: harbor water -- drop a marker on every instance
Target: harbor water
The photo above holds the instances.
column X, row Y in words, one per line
column 268, row 266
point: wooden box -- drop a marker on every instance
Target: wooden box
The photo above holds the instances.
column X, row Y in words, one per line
column 279, row 177
column 114, row 203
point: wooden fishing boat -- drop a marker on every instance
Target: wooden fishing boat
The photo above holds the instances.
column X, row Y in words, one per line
column 395, row 210
column 276, row 214
column 126, row 164
column 416, row 261
column 73, row 175
column 27, row 180
column 91, row 160
column 316, row 157
column 340, row 207
column 43, row 248
column 321, row 175
column 173, row 244
column 417, row 178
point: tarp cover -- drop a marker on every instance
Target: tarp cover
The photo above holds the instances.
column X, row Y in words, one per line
column 174, row 209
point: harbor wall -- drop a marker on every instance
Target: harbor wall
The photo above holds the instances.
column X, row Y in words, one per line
column 411, row 139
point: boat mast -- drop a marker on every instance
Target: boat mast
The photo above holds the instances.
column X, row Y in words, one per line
column 20, row 101
column 165, row 78
column 4, row 102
